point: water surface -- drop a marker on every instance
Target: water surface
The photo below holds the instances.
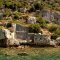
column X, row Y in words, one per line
column 30, row 53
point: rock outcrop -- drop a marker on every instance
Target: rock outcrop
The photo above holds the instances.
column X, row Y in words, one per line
column 11, row 41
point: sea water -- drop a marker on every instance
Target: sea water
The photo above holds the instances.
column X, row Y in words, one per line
column 30, row 54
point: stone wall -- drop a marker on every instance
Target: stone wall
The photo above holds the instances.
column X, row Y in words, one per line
column 22, row 35
column 21, row 32
column 41, row 39
column 1, row 16
column 2, row 39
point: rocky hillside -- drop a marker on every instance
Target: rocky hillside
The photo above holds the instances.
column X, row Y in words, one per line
column 36, row 14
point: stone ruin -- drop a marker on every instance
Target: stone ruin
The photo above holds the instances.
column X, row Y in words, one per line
column 11, row 41
column 2, row 39
column 21, row 35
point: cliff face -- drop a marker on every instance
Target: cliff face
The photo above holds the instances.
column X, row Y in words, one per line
column 53, row 16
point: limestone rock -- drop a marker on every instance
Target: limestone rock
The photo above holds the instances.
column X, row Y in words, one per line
column 31, row 19
column 11, row 38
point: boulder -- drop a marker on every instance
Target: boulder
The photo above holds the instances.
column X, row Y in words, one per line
column 31, row 19
column 11, row 41
column 53, row 43
column 58, row 40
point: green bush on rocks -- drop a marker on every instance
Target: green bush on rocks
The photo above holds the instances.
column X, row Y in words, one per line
column 34, row 28
column 42, row 22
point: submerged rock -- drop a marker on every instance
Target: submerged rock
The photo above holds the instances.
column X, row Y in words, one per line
column 22, row 54
column 6, row 54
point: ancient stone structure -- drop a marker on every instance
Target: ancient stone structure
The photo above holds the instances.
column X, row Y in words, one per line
column 21, row 32
column 21, row 35
column 2, row 38
column 24, row 36
column 41, row 39
column 11, row 40
column 1, row 16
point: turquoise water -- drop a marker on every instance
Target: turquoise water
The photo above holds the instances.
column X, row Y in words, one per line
column 32, row 54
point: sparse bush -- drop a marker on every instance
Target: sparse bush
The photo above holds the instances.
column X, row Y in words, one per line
column 57, row 32
column 34, row 28
column 54, row 36
column 41, row 22
column 52, row 28
column 16, row 15
column 38, row 6
column 7, row 12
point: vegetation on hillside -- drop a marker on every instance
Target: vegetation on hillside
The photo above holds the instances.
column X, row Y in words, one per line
column 16, row 10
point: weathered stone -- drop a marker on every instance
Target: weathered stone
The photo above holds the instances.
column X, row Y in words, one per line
column 31, row 19
column 1, row 15
column 21, row 32
column 58, row 40
column 53, row 43
column 2, row 39
column 41, row 39
column 53, row 16
column 2, row 35
column 23, row 10
column 11, row 38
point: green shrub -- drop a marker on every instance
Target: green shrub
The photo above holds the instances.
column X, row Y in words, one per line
column 54, row 36
column 7, row 12
column 34, row 28
column 38, row 6
column 1, row 3
column 57, row 32
column 16, row 15
column 52, row 28
column 42, row 22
